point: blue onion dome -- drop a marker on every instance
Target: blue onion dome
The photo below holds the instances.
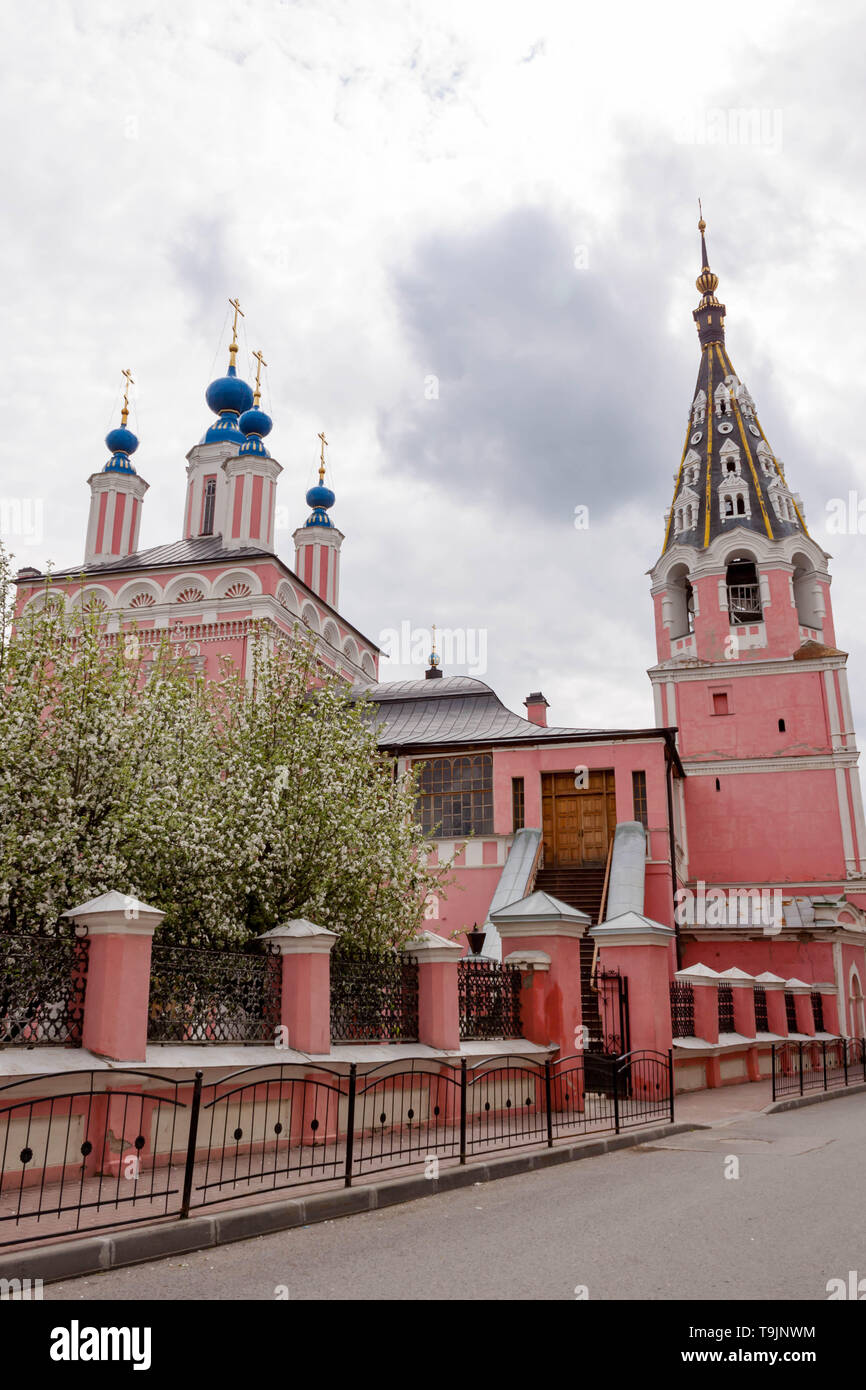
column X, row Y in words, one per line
column 122, row 442
column 320, row 496
column 254, row 424
column 228, row 397
column 229, row 393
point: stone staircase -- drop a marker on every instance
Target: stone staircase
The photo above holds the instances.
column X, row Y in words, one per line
column 579, row 885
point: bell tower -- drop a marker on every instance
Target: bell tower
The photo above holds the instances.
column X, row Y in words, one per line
column 748, row 668
column 116, row 495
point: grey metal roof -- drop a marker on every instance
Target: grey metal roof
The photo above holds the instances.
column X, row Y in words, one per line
column 453, row 710
column 186, row 552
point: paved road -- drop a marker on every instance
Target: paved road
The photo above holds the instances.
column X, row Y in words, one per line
column 656, row 1222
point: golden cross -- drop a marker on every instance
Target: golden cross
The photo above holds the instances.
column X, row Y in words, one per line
column 262, row 363
column 233, row 345
column 124, row 414
column 322, row 457
column 434, row 637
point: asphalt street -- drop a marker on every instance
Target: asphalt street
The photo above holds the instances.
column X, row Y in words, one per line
column 666, row 1221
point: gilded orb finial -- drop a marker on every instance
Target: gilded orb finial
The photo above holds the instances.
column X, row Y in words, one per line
column 322, row 457
column 124, row 414
column 257, row 394
column 233, row 345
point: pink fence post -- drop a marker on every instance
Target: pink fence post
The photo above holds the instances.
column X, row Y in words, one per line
column 120, row 931
column 438, row 997
column 830, row 1005
column 705, row 986
column 305, row 1011
column 743, row 993
column 774, row 989
column 640, row 950
column 550, row 999
column 802, row 1004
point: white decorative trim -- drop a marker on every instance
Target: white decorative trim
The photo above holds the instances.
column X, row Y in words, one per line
column 785, row 666
column 827, row 762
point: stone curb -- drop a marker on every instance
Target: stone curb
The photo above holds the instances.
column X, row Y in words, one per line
column 814, row 1098
column 95, row 1254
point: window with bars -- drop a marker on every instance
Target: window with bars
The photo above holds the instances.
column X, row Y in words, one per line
column 682, row 1009
column 791, row 1013
column 638, row 790
column 818, row 1011
column 762, row 1024
column 518, row 809
column 726, row 1009
column 455, row 795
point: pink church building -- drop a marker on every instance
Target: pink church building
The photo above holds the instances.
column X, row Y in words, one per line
column 723, row 844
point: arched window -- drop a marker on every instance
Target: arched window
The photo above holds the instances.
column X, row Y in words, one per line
column 741, row 505
column 856, row 1021
column 744, row 591
column 209, row 507
column 808, row 596
column 729, row 506
column 680, row 602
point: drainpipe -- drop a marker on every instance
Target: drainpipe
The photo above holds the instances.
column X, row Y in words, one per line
column 672, row 844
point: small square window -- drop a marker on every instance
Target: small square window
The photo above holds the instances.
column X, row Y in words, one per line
column 720, row 702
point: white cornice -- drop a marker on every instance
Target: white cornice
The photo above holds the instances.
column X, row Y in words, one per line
column 713, row 670
column 843, row 757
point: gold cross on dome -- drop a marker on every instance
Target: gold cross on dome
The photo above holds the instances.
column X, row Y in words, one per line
column 322, row 456
column 262, row 363
column 233, row 345
column 124, row 414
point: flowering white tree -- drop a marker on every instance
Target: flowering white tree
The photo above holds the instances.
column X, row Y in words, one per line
column 230, row 804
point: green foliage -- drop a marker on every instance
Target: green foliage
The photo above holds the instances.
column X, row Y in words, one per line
column 231, row 804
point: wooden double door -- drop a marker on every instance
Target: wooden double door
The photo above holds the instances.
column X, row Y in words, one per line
column 578, row 822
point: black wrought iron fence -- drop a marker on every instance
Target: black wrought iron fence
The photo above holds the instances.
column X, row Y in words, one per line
column 822, row 1065
column 489, row 996
column 77, row 1157
column 374, row 996
column 682, row 1009
column 210, row 996
column 43, row 982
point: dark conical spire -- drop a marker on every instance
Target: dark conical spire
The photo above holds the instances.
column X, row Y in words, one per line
column 729, row 477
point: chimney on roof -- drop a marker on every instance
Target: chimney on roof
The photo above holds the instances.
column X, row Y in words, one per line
column 536, row 707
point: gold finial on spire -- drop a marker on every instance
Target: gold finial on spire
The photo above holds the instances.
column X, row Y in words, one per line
column 233, row 345
column 124, row 414
column 706, row 282
column 257, row 394
column 322, row 457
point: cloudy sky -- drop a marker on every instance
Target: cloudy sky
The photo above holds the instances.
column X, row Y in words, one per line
column 464, row 236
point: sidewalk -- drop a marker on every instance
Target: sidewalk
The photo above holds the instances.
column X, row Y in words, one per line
column 720, row 1104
